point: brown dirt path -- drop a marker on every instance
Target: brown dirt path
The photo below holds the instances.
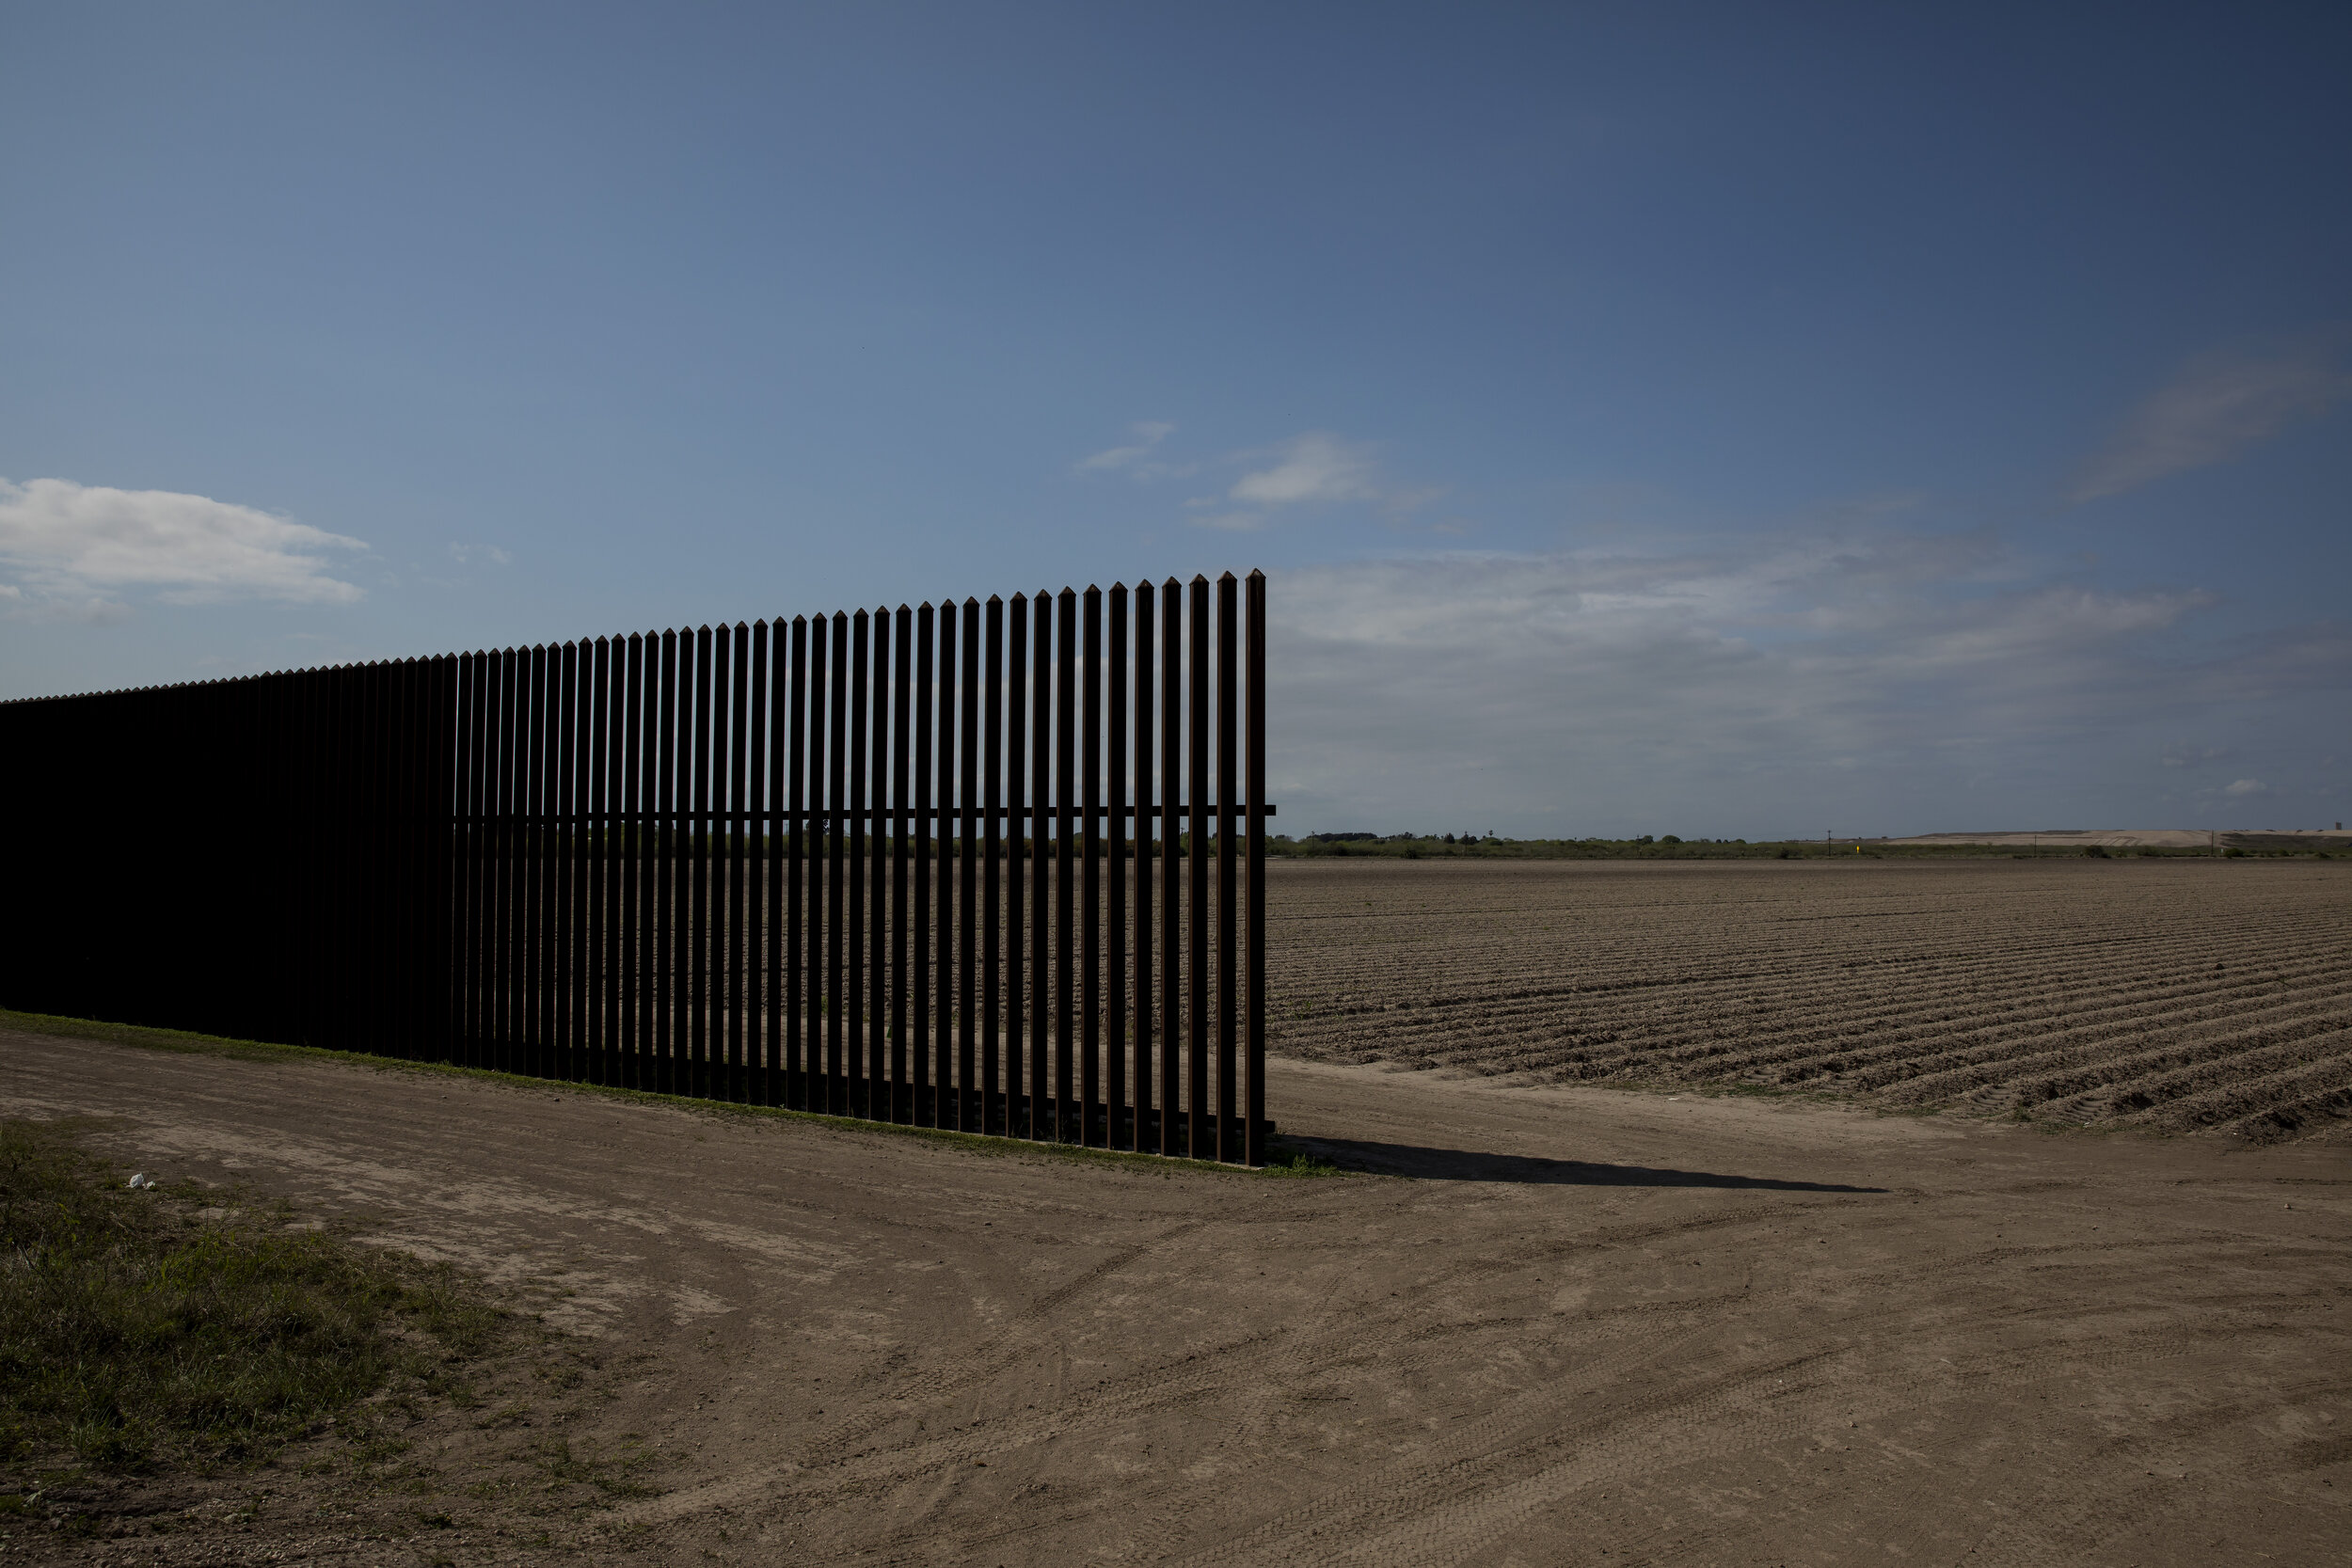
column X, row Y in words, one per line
column 1579, row 1326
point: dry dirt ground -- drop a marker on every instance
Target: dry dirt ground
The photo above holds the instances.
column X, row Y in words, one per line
column 2179, row 995
column 1568, row 1325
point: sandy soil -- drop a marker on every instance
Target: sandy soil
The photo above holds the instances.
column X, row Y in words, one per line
column 1571, row 1325
column 2193, row 996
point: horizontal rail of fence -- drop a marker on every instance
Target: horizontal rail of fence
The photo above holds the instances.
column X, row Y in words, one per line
column 995, row 867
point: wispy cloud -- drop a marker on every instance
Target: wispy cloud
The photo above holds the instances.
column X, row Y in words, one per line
column 2219, row 407
column 1134, row 457
column 465, row 555
column 69, row 543
column 1316, row 467
column 1313, row 469
column 2244, row 788
column 1733, row 685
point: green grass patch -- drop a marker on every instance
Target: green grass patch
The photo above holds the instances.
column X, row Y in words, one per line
column 1298, row 1162
column 152, row 1329
column 178, row 1040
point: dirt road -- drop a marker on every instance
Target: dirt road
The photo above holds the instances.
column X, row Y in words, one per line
column 1576, row 1325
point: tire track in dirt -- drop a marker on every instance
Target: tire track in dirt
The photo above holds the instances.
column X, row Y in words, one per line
column 1929, row 1334
column 1446, row 1505
column 1389, row 1340
column 1284, row 1360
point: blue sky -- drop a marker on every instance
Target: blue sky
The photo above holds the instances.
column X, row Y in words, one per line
column 1718, row 420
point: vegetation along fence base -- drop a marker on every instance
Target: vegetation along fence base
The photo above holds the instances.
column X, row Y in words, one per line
column 997, row 867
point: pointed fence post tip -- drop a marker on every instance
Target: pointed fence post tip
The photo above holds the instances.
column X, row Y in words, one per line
column 1001, row 875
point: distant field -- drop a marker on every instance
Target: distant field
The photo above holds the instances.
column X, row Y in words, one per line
column 2155, row 842
column 2172, row 995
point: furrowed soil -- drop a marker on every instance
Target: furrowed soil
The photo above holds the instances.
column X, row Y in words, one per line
column 1543, row 1324
column 2171, row 995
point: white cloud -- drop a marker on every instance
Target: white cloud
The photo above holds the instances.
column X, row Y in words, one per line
column 1316, row 467
column 1148, row 434
column 66, row 541
column 2217, row 408
column 465, row 555
column 2243, row 787
column 1732, row 687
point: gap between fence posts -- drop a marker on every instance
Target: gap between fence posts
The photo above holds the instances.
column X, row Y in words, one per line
column 991, row 868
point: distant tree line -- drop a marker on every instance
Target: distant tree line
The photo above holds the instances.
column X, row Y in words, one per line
column 1673, row 846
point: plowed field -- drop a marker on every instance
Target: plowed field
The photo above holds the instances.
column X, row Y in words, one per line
column 2172, row 995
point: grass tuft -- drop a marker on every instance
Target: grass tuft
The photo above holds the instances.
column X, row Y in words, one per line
column 1298, row 1162
column 138, row 1334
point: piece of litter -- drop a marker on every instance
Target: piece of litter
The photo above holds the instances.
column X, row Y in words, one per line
column 140, row 1182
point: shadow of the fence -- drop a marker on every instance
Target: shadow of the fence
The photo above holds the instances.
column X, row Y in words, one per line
column 1462, row 1165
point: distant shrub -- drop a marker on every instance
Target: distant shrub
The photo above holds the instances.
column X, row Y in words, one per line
column 2233, row 854
column 1668, row 839
column 2094, row 852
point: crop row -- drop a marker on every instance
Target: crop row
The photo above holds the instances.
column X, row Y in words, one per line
column 2188, row 995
